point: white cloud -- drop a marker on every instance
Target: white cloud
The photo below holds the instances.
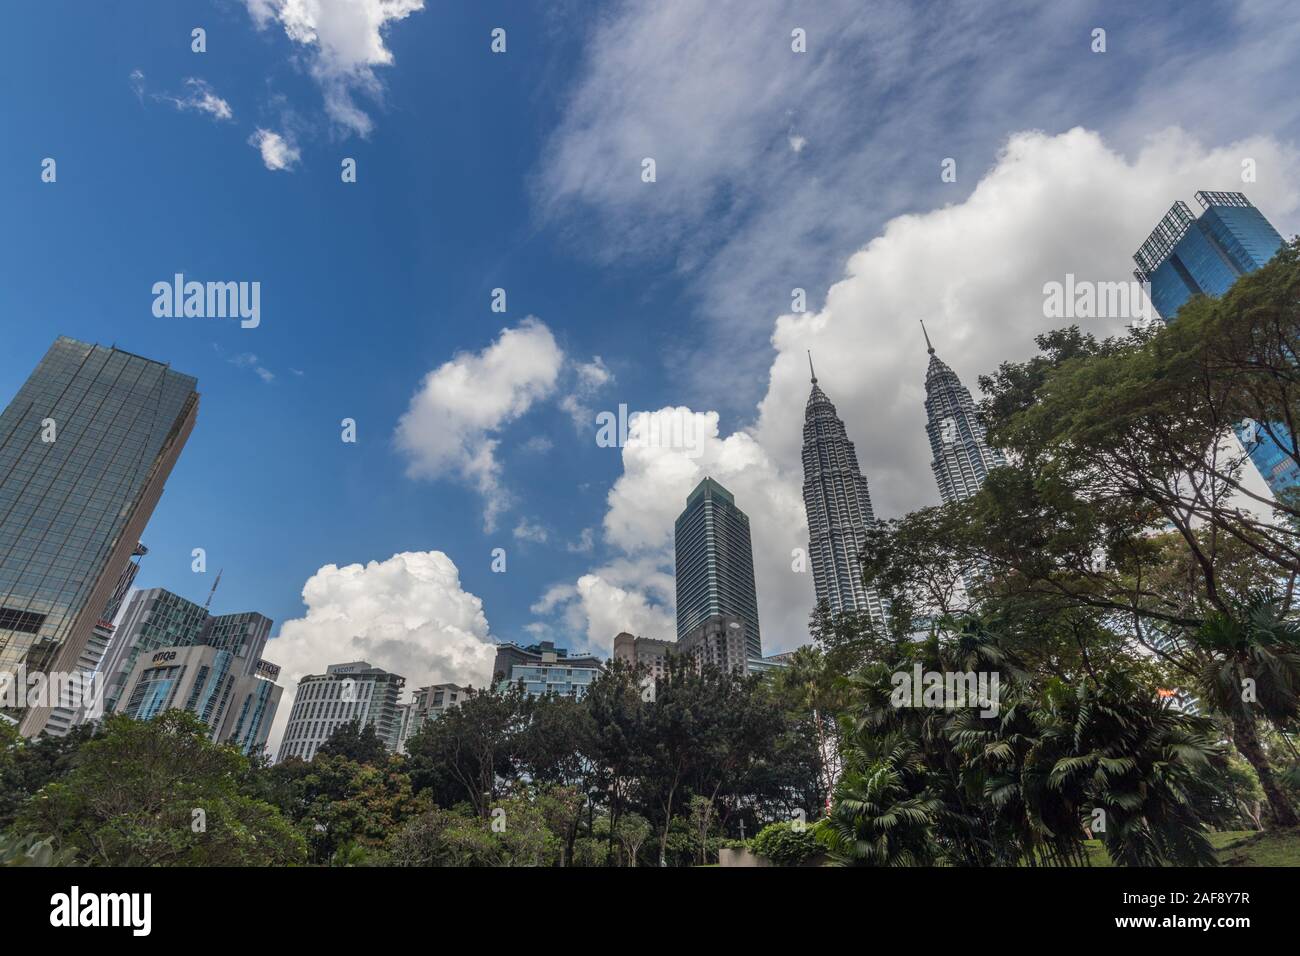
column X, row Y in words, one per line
column 277, row 152
column 589, row 378
column 538, row 445
column 202, row 98
column 249, row 360
column 408, row 615
column 530, row 531
column 585, row 543
column 975, row 271
column 454, row 417
column 346, row 40
column 199, row 97
column 743, row 216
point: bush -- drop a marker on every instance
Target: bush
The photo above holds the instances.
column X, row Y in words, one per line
column 784, row 845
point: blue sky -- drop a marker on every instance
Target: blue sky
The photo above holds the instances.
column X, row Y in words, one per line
column 521, row 170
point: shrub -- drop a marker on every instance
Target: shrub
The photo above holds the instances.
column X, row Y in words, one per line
column 784, row 845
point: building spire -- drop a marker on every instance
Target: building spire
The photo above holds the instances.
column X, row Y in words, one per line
column 928, row 347
column 810, row 367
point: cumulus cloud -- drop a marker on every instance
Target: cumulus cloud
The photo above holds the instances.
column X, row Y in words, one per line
column 408, row 614
column 745, row 209
column 278, row 153
column 346, row 43
column 454, row 418
column 975, row 271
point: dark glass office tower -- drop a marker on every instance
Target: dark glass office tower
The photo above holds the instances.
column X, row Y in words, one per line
column 838, row 505
column 1186, row 255
column 962, row 456
column 85, row 447
column 715, row 563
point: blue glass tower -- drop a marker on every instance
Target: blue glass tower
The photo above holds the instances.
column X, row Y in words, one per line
column 715, row 563
column 1187, row 255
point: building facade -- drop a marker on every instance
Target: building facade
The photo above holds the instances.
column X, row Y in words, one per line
column 719, row 640
column 428, row 703
column 647, row 652
column 1188, row 255
column 543, row 668
column 156, row 619
column 837, row 502
column 88, row 706
column 344, row 693
column 714, row 559
column 209, row 683
column 962, row 457
column 85, row 449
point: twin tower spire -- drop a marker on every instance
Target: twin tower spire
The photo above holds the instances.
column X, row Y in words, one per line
column 835, row 492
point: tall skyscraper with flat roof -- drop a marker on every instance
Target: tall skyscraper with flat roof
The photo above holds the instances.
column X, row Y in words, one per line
column 344, row 693
column 1188, row 255
column 838, row 505
column 962, row 456
column 85, row 448
column 715, row 563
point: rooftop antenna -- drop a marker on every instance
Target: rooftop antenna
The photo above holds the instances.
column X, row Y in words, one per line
column 208, row 603
column 810, row 368
column 928, row 347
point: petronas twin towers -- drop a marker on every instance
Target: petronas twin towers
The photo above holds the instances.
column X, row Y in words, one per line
column 835, row 493
column 838, row 505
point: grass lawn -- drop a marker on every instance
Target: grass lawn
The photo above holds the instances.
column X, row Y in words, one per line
column 1236, row 848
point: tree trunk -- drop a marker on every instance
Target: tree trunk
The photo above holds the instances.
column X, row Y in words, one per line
column 668, row 822
column 1247, row 741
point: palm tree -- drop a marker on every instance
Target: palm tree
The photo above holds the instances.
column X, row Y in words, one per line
column 874, row 820
column 1252, row 669
column 1153, row 771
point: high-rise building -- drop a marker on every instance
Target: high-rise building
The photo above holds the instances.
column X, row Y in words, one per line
column 1188, row 255
column 85, row 448
column 719, row 640
column 344, row 693
column 715, row 563
column 72, row 712
column 156, row 618
column 838, row 505
column 647, row 652
column 962, row 456
column 211, row 684
column 428, row 703
column 544, row 668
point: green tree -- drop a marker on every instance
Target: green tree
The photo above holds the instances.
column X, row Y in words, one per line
column 337, row 802
column 160, row 792
column 356, row 743
column 464, row 754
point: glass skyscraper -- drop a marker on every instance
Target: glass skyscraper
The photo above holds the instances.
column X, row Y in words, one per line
column 715, row 563
column 1187, row 255
column 838, row 505
column 85, row 447
column 156, row 619
column 962, row 457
